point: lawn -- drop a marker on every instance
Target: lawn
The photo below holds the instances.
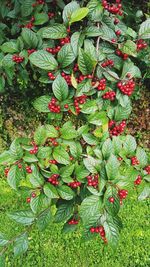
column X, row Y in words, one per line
column 51, row 249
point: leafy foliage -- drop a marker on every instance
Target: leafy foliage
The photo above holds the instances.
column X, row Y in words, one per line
column 77, row 169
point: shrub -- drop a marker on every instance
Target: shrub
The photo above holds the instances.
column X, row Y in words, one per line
column 77, row 169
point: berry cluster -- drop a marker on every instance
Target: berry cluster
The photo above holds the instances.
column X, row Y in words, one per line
column 17, row 59
column 64, row 41
column 107, row 63
column 6, row 171
column 93, row 180
column 147, row 169
column 28, row 199
column 122, row 195
column 141, row 44
column 30, row 24
column 67, row 77
column 116, row 129
column 53, row 107
column 54, row 50
column 30, row 51
column 113, row 8
column 38, row 2
column 73, row 221
column 51, row 15
column 52, row 161
column 99, row 230
column 83, row 77
column 122, row 55
column 28, row 169
column 135, row 161
column 53, row 141
column 79, row 101
column 74, row 184
column 51, row 76
column 126, row 88
column 109, row 95
column 35, row 148
column 102, row 85
column 138, row 180
column 53, row 179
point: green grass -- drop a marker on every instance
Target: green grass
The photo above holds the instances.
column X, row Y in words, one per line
column 52, row 249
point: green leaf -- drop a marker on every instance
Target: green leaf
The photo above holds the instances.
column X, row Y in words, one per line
column 51, row 131
column 91, row 164
column 25, row 217
column 112, row 166
column 145, row 193
column 61, row 156
column 41, row 103
column 44, row 219
column 68, row 132
column 107, row 148
column 14, row 176
column 98, row 118
column 16, row 149
column 107, row 32
column 85, row 62
column 21, row 244
column 75, row 149
column 79, row 14
column 90, row 210
column 130, row 48
column 69, row 228
column 117, row 144
column 30, row 158
column 112, row 208
column 36, row 203
column 130, row 68
column 95, row 10
column 89, row 107
column 144, row 31
column 81, row 172
column 129, row 145
column 68, row 10
column 26, row 8
column 40, row 135
column 40, row 18
column 35, row 178
column 6, row 157
column 76, row 42
column 90, row 139
column 9, row 47
column 66, row 192
column 43, row 60
column 67, row 170
column 3, row 240
column 122, row 113
column 112, row 233
column 50, row 191
column 57, row 31
column 66, row 55
column 44, row 152
column 142, row 157
column 60, row 88
column 29, row 37
column 64, row 212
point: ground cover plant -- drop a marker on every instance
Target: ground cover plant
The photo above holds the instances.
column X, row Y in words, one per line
column 78, row 168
